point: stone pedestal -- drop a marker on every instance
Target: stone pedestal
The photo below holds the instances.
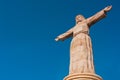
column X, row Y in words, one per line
column 82, row 77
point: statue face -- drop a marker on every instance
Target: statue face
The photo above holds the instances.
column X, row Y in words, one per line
column 79, row 18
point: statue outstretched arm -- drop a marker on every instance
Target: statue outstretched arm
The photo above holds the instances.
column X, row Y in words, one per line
column 65, row 35
column 98, row 16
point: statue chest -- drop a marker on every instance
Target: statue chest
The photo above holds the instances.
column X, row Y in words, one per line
column 81, row 28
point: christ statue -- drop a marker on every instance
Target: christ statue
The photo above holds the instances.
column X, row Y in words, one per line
column 81, row 55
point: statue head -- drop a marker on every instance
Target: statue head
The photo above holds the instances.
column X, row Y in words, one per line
column 79, row 18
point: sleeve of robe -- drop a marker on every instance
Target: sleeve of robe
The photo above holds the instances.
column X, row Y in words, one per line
column 65, row 35
column 95, row 18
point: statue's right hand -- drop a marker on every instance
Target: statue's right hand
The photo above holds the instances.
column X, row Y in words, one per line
column 56, row 39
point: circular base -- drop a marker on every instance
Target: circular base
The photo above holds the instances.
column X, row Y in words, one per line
column 83, row 77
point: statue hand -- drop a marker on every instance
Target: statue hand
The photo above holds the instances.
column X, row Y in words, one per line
column 59, row 38
column 108, row 8
column 56, row 39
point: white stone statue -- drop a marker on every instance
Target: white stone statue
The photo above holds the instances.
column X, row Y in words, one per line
column 81, row 56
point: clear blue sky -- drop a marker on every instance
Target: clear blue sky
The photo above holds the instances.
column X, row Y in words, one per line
column 28, row 28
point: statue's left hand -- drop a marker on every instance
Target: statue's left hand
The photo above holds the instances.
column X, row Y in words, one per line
column 108, row 8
